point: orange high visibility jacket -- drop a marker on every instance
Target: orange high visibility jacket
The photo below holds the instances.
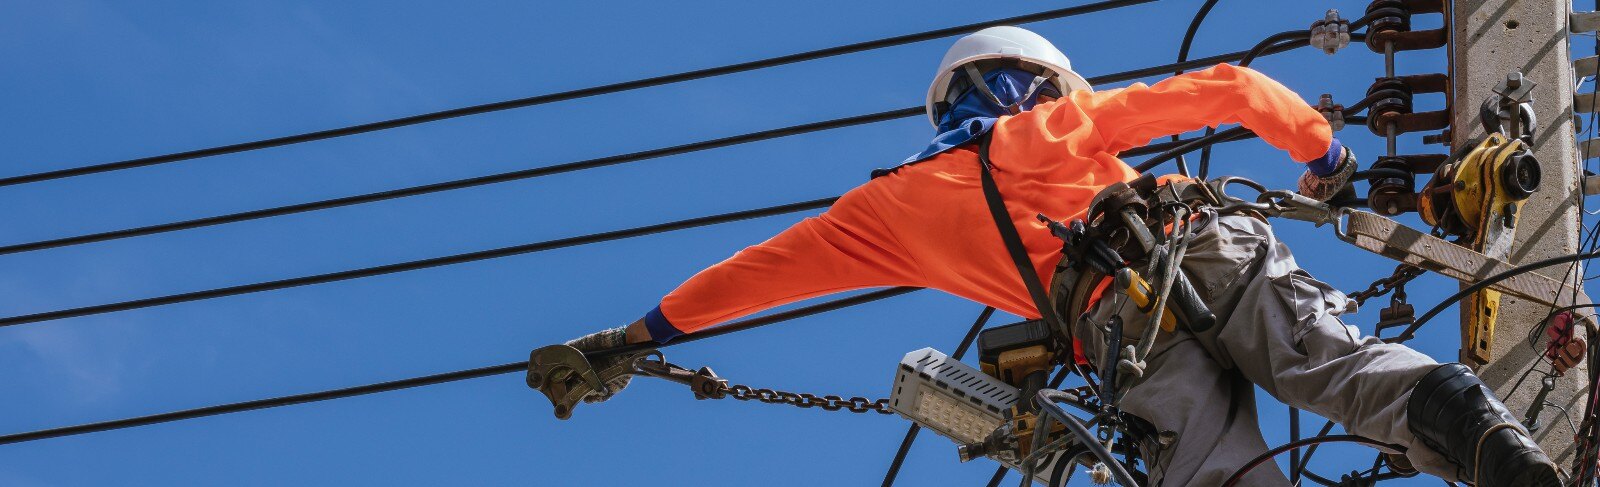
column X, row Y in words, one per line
column 926, row 225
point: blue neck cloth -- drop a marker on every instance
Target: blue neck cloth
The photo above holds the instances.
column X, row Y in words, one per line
column 973, row 114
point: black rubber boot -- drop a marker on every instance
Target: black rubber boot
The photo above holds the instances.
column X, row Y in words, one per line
column 1451, row 411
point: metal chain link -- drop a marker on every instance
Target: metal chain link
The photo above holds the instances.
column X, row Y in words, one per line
column 707, row 385
column 1403, row 274
column 806, row 401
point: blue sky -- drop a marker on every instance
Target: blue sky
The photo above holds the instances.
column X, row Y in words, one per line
column 90, row 82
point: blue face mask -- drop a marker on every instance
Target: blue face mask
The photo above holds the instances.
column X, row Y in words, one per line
column 973, row 113
column 1009, row 86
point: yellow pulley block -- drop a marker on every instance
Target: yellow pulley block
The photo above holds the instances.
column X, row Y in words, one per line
column 1478, row 198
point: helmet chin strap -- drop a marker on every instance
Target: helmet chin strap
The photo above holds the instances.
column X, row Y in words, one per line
column 1013, row 108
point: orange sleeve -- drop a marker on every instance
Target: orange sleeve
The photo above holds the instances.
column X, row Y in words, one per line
column 845, row 248
column 1222, row 94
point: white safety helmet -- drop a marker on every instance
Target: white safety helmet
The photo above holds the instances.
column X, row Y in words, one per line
column 1004, row 42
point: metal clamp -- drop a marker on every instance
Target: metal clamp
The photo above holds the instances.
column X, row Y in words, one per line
column 564, row 375
column 1332, row 112
column 1510, row 109
column 1331, row 33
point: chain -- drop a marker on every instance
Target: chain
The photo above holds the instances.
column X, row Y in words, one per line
column 706, row 385
column 806, row 401
column 1403, row 274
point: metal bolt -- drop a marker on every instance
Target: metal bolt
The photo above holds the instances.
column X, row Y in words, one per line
column 1514, row 80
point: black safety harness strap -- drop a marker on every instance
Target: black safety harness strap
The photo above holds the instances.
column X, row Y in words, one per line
column 1019, row 253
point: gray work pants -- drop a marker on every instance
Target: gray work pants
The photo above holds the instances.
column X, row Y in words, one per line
column 1277, row 327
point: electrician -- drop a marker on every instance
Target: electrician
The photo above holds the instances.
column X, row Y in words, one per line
column 1054, row 145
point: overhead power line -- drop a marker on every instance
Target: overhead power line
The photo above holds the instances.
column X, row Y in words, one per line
column 530, row 173
column 428, row 380
column 1183, row 145
column 1176, row 147
column 420, row 264
column 458, row 183
column 566, row 95
column 538, row 246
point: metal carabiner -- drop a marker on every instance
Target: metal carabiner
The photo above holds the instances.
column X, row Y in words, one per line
column 1231, row 203
column 1295, row 206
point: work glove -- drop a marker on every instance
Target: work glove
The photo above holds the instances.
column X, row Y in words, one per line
column 1327, row 175
column 615, row 371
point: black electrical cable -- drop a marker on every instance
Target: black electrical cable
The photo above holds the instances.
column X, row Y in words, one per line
column 1194, row 28
column 1375, row 14
column 1183, row 55
column 1055, row 382
column 415, row 265
column 419, row 264
column 1197, row 63
column 999, row 475
column 462, row 183
column 1046, row 402
column 1192, row 144
column 539, row 171
column 567, row 95
column 1411, row 330
column 1293, row 445
column 911, row 433
column 1306, row 459
column 1059, row 475
column 1211, row 136
column 900, row 454
column 438, row 378
column 1293, row 36
column 1299, row 37
column 1294, row 435
column 485, row 180
column 1189, row 145
column 1320, row 480
column 1156, row 148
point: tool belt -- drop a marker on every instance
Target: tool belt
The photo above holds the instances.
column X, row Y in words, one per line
column 1119, row 232
column 1117, row 235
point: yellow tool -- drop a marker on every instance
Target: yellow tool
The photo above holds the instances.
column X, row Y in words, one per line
column 1143, row 296
column 1479, row 198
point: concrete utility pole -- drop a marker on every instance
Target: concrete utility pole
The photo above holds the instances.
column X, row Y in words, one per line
column 1489, row 39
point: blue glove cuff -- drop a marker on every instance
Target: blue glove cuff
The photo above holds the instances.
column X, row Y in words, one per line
column 1328, row 163
column 660, row 329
